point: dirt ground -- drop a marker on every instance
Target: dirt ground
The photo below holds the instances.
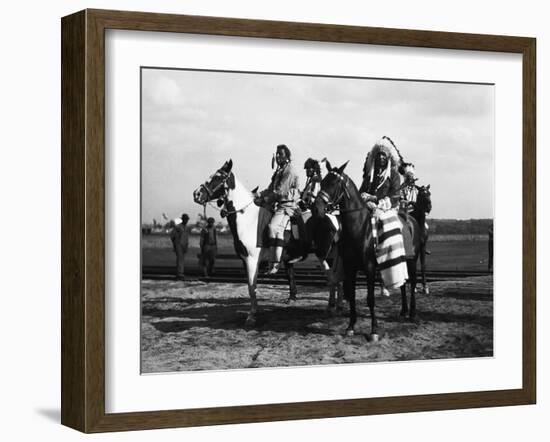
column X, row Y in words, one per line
column 199, row 326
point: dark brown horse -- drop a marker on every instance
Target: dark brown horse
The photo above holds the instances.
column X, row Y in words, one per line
column 358, row 252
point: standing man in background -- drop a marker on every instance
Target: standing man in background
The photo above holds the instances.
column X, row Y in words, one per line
column 209, row 247
column 180, row 242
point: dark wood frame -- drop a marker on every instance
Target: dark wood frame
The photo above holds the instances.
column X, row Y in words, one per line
column 83, row 217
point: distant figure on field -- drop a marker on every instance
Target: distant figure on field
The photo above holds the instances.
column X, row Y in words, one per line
column 180, row 242
column 209, row 247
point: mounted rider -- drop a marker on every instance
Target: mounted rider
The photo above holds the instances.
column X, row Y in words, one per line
column 283, row 193
column 409, row 190
column 312, row 186
column 381, row 191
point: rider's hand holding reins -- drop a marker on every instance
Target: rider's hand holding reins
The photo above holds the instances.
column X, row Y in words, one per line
column 371, row 205
column 368, row 197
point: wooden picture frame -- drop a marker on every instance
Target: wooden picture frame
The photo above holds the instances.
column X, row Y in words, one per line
column 83, row 220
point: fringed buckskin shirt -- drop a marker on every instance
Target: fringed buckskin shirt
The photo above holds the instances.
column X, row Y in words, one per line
column 285, row 184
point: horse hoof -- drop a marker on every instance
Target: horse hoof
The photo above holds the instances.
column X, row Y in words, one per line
column 350, row 332
column 426, row 291
column 250, row 322
column 290, row 300
column 374, row 337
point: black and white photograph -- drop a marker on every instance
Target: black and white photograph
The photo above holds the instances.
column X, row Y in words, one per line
column 299, row 220
column 272, row 220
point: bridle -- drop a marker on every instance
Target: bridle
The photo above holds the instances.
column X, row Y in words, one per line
column 210, row 192
column 341, row 191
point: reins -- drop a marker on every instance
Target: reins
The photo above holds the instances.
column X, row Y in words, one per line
column 225, row 211
column 343, row 191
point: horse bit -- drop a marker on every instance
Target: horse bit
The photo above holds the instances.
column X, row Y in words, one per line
column 210, row 192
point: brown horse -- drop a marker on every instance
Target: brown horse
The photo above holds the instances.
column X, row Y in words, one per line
column 358, row 251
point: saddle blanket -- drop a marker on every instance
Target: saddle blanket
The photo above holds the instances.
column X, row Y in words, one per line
column 390, row 250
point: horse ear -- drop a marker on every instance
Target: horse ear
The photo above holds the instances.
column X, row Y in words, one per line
column 327, row 163
column 342, row 167
column 255, row 190
column 229, row 165
column 428, row 187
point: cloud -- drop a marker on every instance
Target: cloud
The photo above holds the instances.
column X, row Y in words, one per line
column 161, row 90
column 193, row 121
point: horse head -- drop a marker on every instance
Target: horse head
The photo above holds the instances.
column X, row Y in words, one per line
column 424, row 199
column 216, row 187
column 333, row 189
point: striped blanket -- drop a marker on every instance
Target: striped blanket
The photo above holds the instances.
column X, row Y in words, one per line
column 390, row 250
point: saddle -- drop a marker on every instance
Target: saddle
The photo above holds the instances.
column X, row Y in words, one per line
column 294, row 230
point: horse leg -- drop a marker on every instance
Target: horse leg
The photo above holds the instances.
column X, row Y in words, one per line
column 404, row 304
column 339, row 297
column 423, row 269
column 291, row 282
column 335, row 300
column 412, row 280
column 338, row 276
column 371, row 275
column 332, row 284
column 251, row 264
column 349, row 293
column 331, row 298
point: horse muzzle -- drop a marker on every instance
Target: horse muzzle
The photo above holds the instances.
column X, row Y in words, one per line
column 199, row 196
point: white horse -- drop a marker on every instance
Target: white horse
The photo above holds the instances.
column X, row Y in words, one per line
column 242, row 216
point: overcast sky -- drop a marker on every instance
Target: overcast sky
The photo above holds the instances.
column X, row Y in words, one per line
column 193, row 121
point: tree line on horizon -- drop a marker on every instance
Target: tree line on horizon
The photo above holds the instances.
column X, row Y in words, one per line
column 459, row 226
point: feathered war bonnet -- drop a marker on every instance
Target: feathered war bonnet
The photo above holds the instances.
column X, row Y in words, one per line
column 385, row 144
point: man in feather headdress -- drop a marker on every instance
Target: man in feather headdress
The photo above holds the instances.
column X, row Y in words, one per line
column 381, row 182
column 381, row 190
